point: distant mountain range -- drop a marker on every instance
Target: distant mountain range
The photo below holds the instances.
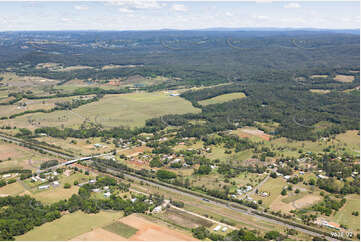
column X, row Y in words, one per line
column 345, row 31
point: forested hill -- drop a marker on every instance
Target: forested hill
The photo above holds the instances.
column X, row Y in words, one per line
column 200, row 57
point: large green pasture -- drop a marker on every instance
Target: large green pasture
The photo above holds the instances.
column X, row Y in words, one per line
column 130, row 110
column 223, row 98
column 344, row 215
column 70, row 226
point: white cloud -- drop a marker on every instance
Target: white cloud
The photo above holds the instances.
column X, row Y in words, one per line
column 229, row 14
column 179, row 7
column 260, row 17
column 292, row 5
column 125, row 10
column 81, row 7
column 139, row 4
column 66, row 20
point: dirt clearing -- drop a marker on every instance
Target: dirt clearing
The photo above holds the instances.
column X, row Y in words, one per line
column 248, row 132
column 99, row 234
column 149, row 231
column 344, row 78
column 308, row 200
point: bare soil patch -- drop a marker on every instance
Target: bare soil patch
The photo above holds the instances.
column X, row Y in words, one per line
column 99, row 234
column 135, row 151
column 321, row 91
column 255, row 132
column 185, row 220
column 319, row 76
column 308, row 200
column 149, row 231
column 344, row 78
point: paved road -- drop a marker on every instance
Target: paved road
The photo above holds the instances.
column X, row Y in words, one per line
column 71, row 162
column 245, row 211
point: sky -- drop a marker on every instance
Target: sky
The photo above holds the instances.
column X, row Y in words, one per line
column 152, row 15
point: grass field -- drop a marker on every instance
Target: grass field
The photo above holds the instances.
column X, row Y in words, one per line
column 113, row 110
column 320, row 91
column 319, row 76
column 344, row 215
column 293, row 197
column 54, row 194
column 81, row 146
column 35, row 104
column 121, row 229
column 273, row 187
column 70, row 225
column 20, row 157
column 223, row 98
column 12, row 189
column 351, row 139
column 184, row 219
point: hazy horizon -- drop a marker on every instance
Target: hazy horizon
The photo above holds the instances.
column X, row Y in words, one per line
column 176, row 15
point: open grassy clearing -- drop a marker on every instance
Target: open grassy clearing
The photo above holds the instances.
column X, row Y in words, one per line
column 344, row 215
column 252, row 133
column 218, row 152
column 81, row 146
column 25, row 81
column 273, row 187
column 154, row 230
column 319, row 76
column 293, row 197
column 350, row 139
column 28, row 105
column 344, row 78
column 267, row 127
column 12, row 189
column 121, row 229
column 36, row 120
column 184, row 219
column 20, row 157
column 59, row 67
column 54, row 194
column 113, row 110
column 320, row 91
column 70, row 225
column 223, row 98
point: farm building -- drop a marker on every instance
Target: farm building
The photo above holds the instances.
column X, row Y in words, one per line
column 322, row 176
column 107, row 194
column 157, row 209
column 217, row 228
column 43, row 187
